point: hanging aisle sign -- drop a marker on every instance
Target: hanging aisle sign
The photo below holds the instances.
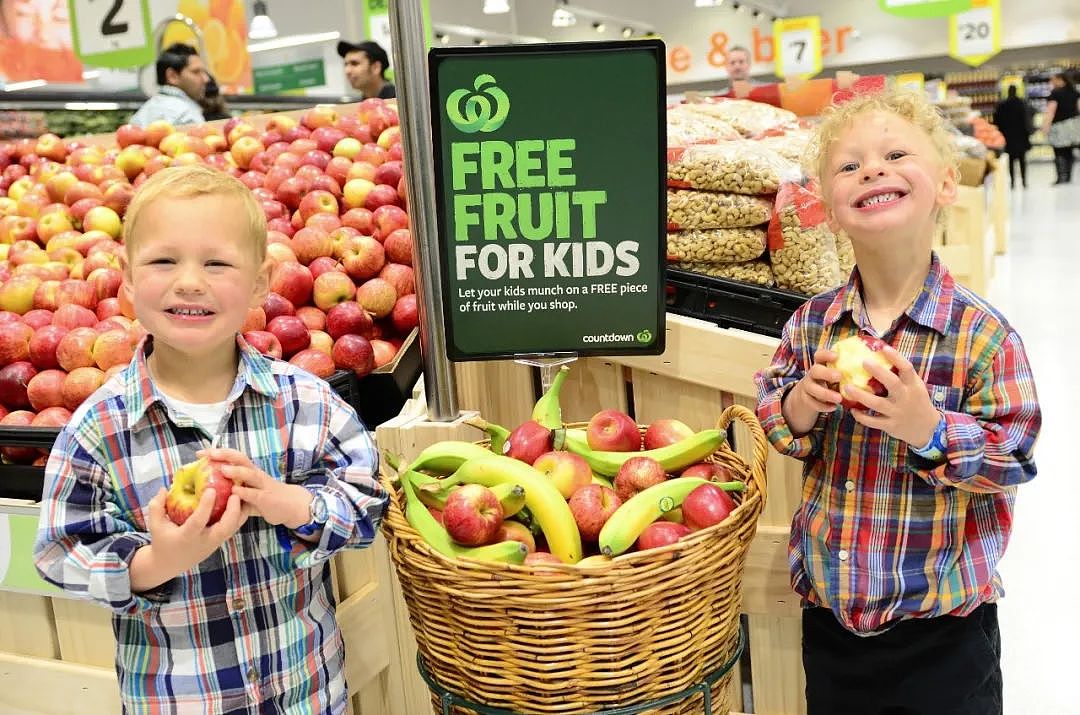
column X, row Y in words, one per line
column 552, row 224
column 924, row 8
column 975, row 35
column 797, row 42
column 112, row 33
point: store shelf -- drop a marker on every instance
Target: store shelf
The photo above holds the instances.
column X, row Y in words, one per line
column 730, row 304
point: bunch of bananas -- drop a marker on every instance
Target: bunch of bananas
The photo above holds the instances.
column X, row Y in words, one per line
column 527, row 495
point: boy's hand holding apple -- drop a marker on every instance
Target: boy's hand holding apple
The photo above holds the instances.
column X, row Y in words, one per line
column 277, row 502
column 905, row 410
column 813, row 394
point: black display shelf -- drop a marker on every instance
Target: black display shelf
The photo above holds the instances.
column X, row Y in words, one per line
column 730, row 304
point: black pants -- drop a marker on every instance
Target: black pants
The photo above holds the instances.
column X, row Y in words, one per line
column 1063, row 162
column 1019, row 157
column 933, row 666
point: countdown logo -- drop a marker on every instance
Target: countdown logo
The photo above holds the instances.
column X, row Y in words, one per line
column 481, row 109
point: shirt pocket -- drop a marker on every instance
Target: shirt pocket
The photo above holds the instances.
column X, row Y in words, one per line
column 946, row 398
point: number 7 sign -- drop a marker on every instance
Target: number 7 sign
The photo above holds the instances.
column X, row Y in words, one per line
column 798, row 47
column 112, row 33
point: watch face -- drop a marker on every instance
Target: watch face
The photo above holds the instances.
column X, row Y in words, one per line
column 319, row 511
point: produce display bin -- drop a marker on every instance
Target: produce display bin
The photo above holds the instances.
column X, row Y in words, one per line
column 730, row 304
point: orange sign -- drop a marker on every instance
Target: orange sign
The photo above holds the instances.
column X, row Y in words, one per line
column 223, row 26
column 35, row 42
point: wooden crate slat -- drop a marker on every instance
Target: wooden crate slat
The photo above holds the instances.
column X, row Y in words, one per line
column 593, row 384
column 659, row 396
column 26, row 625
column 39, row 685
column 85, row 632
column 503, row 391
column 776, row 665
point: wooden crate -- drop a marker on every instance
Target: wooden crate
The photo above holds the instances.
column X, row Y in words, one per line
column 967, row 244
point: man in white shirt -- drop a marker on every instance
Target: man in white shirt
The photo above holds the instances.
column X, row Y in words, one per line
column 182, row 79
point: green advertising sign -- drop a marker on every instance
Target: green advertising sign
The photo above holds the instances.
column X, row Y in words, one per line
column 279, row 78
column 924, row 8
column 17, row 572
column 550, row 172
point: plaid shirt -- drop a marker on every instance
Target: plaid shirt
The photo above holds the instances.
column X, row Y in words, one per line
column 251, row 629
column 882, row 534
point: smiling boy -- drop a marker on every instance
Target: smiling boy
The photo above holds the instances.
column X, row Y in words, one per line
column 907, row 505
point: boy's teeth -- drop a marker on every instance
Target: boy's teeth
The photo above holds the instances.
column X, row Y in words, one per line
column 186, row 311
column 880, row 198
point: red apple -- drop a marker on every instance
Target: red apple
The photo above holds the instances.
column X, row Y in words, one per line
column 314, row 361
column 43, row 344
column 402, row 278
column 405, row 315
column 353, row 352
column 291, row 192
column 54, row 416
column 613, row 431
column 75, row 316
column 362, row 257
column 105, row 283
column 528, row 441
column 275, row 304
column 265, row 342
column 312, row 317
column 319, row 116
column 592, row 505
column 708, row 470
column 113, row 347
column 322, row 341
column 566, row 470
column 15, row 342
column 76, row 348
column 323, row 264
column 851, row 354
column 189, row 482
column 385, row 352
column 327, row 137
column 361, row 170
column 636, row 475
column 348, row 317
column 389, row 173
column 539, row 558
column 388, row 219
column 18, row 455
column 664, row 432
column 705, row 506
column 316, row 202
column 331, row 288
column 254, row 320
column 14, row 378
column 38, row 318
column 512, row 531
column 46, row 389
column 472, row 515
column 292, row 281
column 381, row 195
column 291, row 333
column 399, row 246
column 360, row 219
column 355, row 192
column 311, row 243
column 660, row 533
column 377, row 296
column 338, row 170
column 128, row 134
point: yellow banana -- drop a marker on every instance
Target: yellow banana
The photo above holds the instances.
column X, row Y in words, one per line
column 602, row 481
column 511, row 496
column 435, row 535
column 672, row 457
column 445, row 457
column 544, row 501
column 624, row 526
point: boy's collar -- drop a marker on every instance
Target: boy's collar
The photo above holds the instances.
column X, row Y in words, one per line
column 931, row 308
column 254, row 371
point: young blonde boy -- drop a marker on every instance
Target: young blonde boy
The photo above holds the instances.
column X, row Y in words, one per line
column 907, row 505
column 238, row 616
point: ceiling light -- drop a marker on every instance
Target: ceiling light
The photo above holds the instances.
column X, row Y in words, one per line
column 707, row 3
column 562, row 17
column 599, row 26
column 294, row 41
column 28, row 84
column 628, row 32
column 496, row 7
column 262, row 27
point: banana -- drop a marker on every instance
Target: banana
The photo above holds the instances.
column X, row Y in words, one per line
column 543, row 500
column 602, row 481
column 496, row 433
column 624, row 526
column 672, row 457
column 435, row 535
column 547, row 411
column 445, row 457
column 511, row 496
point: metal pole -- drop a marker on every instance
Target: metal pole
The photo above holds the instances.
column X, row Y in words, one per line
column 414, row 107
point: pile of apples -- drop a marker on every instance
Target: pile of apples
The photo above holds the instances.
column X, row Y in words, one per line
column 330, row 184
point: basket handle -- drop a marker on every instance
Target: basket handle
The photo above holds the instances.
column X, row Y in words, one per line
column 760, row 452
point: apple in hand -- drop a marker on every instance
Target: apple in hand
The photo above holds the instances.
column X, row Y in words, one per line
column 613, row 431
column 705, row 506
column 188, row 484
column 566, row 470
column 851, row 353
column 663, row 432
column 636, row 475
column 660, row 533
column 592, row 506
column 472, row 515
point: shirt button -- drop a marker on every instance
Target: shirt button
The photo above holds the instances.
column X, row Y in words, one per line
column 238, row 604
column 843, row 555
column 252, row 674
column 849, row 485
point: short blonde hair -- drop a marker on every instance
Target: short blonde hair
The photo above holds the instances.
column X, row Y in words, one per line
column 186, row 182
column 911, row 106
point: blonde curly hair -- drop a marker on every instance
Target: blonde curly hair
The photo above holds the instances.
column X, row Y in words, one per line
column 911, row 106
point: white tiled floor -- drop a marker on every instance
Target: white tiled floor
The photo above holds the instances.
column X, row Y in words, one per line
column 1037, row 286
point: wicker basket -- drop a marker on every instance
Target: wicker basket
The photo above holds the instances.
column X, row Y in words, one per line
column 568, row 640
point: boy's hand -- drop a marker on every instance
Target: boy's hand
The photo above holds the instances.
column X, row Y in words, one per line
column 812, row 394
column 906, row 411
column 277, row 502
column 174, row 548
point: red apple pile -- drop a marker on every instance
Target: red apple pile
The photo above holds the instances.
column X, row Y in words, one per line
column 330, row 184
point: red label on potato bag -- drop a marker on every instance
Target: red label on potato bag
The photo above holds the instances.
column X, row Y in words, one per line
column 678, row 183
column 809, row 208
column 675, row 154
column 672, row 226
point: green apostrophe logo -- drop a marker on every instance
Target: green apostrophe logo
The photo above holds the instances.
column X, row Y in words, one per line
column 482, row 109
column 645, row 336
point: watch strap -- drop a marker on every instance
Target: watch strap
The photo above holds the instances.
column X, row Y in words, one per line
column 934, row 450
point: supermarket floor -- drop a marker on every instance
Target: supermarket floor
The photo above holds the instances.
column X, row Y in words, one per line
column 1033, row 285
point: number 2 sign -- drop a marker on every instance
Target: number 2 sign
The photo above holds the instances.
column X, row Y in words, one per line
column 112, row 33
column 798, row 47
column 975, row 35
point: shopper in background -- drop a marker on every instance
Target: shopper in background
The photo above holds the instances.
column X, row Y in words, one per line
column 182, row 80
column 1013, row 118
column 213, row 104
column 235, row 616
column 1061, row 124
column 365, row 68
column 737, row 64
column 908, row 501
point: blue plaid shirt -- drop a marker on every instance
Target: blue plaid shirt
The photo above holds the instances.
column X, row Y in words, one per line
column 252, row 628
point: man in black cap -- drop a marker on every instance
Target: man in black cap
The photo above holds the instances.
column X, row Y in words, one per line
column 365, row 67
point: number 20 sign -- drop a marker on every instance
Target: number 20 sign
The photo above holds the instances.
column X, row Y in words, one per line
column 112, row 33
column 798, row 47
column 975, row 35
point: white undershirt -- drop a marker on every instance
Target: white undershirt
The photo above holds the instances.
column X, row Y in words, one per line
column 206, row 414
